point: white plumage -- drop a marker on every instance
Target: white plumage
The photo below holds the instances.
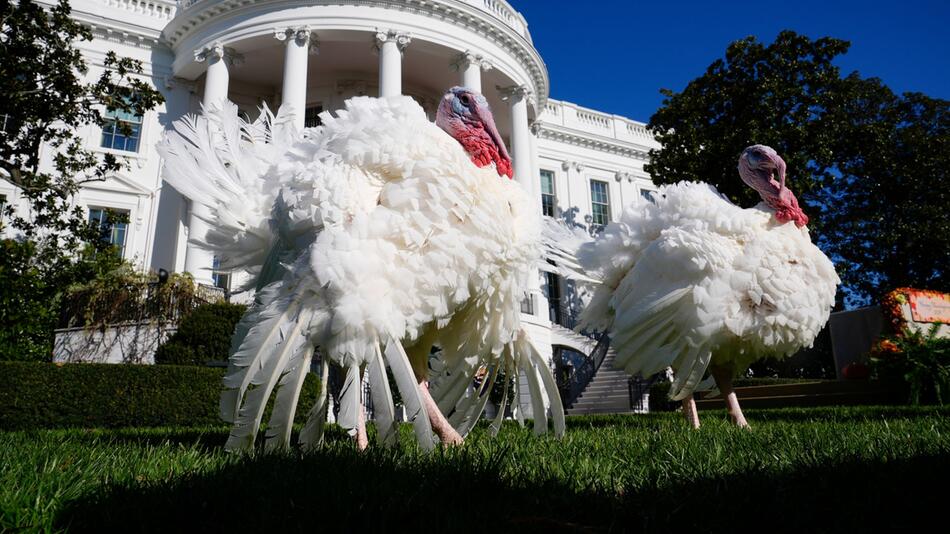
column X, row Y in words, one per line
column 369, row 234
column 693, row 281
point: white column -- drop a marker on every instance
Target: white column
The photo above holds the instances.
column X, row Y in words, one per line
column 517, row 98
column 216, row 75
column 199, row 261
column 471, row 66
column 520, row 149
column 294, row 90
column 391, row 45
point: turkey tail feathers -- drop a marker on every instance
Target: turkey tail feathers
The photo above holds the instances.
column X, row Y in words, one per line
column 409, row 390
column 559, row 246
column 383, row 409
column 312, row 434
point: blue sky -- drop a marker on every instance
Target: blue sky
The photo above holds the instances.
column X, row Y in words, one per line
column 614, row 55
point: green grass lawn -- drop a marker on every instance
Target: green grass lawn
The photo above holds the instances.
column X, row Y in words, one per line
column 797, row 470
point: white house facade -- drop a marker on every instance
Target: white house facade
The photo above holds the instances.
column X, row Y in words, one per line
column 579, row 163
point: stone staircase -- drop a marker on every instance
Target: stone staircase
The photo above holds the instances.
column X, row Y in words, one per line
column 607, row 392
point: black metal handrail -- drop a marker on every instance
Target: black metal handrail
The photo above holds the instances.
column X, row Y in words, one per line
column 637, row 386
column 572, row 384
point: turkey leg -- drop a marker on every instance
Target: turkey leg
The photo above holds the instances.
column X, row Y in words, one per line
column 689, row 410
column 723, row 375
column 440, row 424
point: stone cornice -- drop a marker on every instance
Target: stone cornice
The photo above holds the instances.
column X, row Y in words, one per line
column 593, row 142
column 456, row 12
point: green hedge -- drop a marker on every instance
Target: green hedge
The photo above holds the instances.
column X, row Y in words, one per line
column 46, row 395
column 203, row 335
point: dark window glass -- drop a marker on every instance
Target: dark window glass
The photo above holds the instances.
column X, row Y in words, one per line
column 548, row 199
column 112, row 232
column 600, row 203
column 112, row 135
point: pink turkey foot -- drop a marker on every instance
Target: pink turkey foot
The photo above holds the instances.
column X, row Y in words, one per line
column 723, row 376
column 362, row 441
column 440, row 425
column 689, row 410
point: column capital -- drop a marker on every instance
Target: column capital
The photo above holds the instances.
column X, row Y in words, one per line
column 401, row 39
column 467, row 58
column 216, row 50
column 514, row 93
column 568, row 165
column 301, row 35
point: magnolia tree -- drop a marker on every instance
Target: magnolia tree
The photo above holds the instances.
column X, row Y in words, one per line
column 869, row 166
column 48, row 100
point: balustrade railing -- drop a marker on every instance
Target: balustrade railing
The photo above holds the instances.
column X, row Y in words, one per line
column 572, row 382
column 498, row 9
column 162, row 9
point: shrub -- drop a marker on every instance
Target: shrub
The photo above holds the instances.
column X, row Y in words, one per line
column 922, row 360
column 44, row 395
column 203, row 335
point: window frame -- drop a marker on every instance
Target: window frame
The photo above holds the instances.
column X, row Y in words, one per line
column 217, row 274
column 594, row 203
column 110, row 128
column 122, row 226
column 553, row 194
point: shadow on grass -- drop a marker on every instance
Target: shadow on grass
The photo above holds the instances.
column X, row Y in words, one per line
column 338, row 489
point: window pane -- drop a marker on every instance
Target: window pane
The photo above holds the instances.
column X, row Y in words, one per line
column 600, row 203
column 648, row 194
column 112, row 135
column 547, row 182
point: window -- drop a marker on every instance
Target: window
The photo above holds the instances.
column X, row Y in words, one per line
column 311, row 117
column 599, row 203
column 548, row 201
column 648, row 194
column 3, row 206
column 112, row 232
column 552, row 288
column 221, row 279
column 113, row 135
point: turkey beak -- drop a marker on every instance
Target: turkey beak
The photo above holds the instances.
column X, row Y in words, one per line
column 780, row 170
column 484, row 115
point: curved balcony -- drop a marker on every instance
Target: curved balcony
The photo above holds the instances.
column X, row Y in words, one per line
column 499, row 9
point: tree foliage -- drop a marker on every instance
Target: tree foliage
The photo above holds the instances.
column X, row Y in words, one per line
column 868, row 166
column 48, row 104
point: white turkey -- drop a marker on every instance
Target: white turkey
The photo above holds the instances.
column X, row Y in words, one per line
column 694, row 282
column 370, row 238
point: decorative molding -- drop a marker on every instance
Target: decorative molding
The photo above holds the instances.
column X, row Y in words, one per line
column 486, row 22
column 622, row 175
column 513, row 92
column 586, row 141
column 401, row 39
column 466, row 58
column 568, row 165
column 112, row 35
column 219, row 51
column 173, row 82
column 302, row 35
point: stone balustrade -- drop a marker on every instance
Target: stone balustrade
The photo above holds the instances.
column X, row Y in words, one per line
column 159, row 9
column 498, row 9
column 574, row 117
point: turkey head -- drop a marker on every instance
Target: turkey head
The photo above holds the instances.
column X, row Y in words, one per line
column 759, row 166
column 464, row 114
